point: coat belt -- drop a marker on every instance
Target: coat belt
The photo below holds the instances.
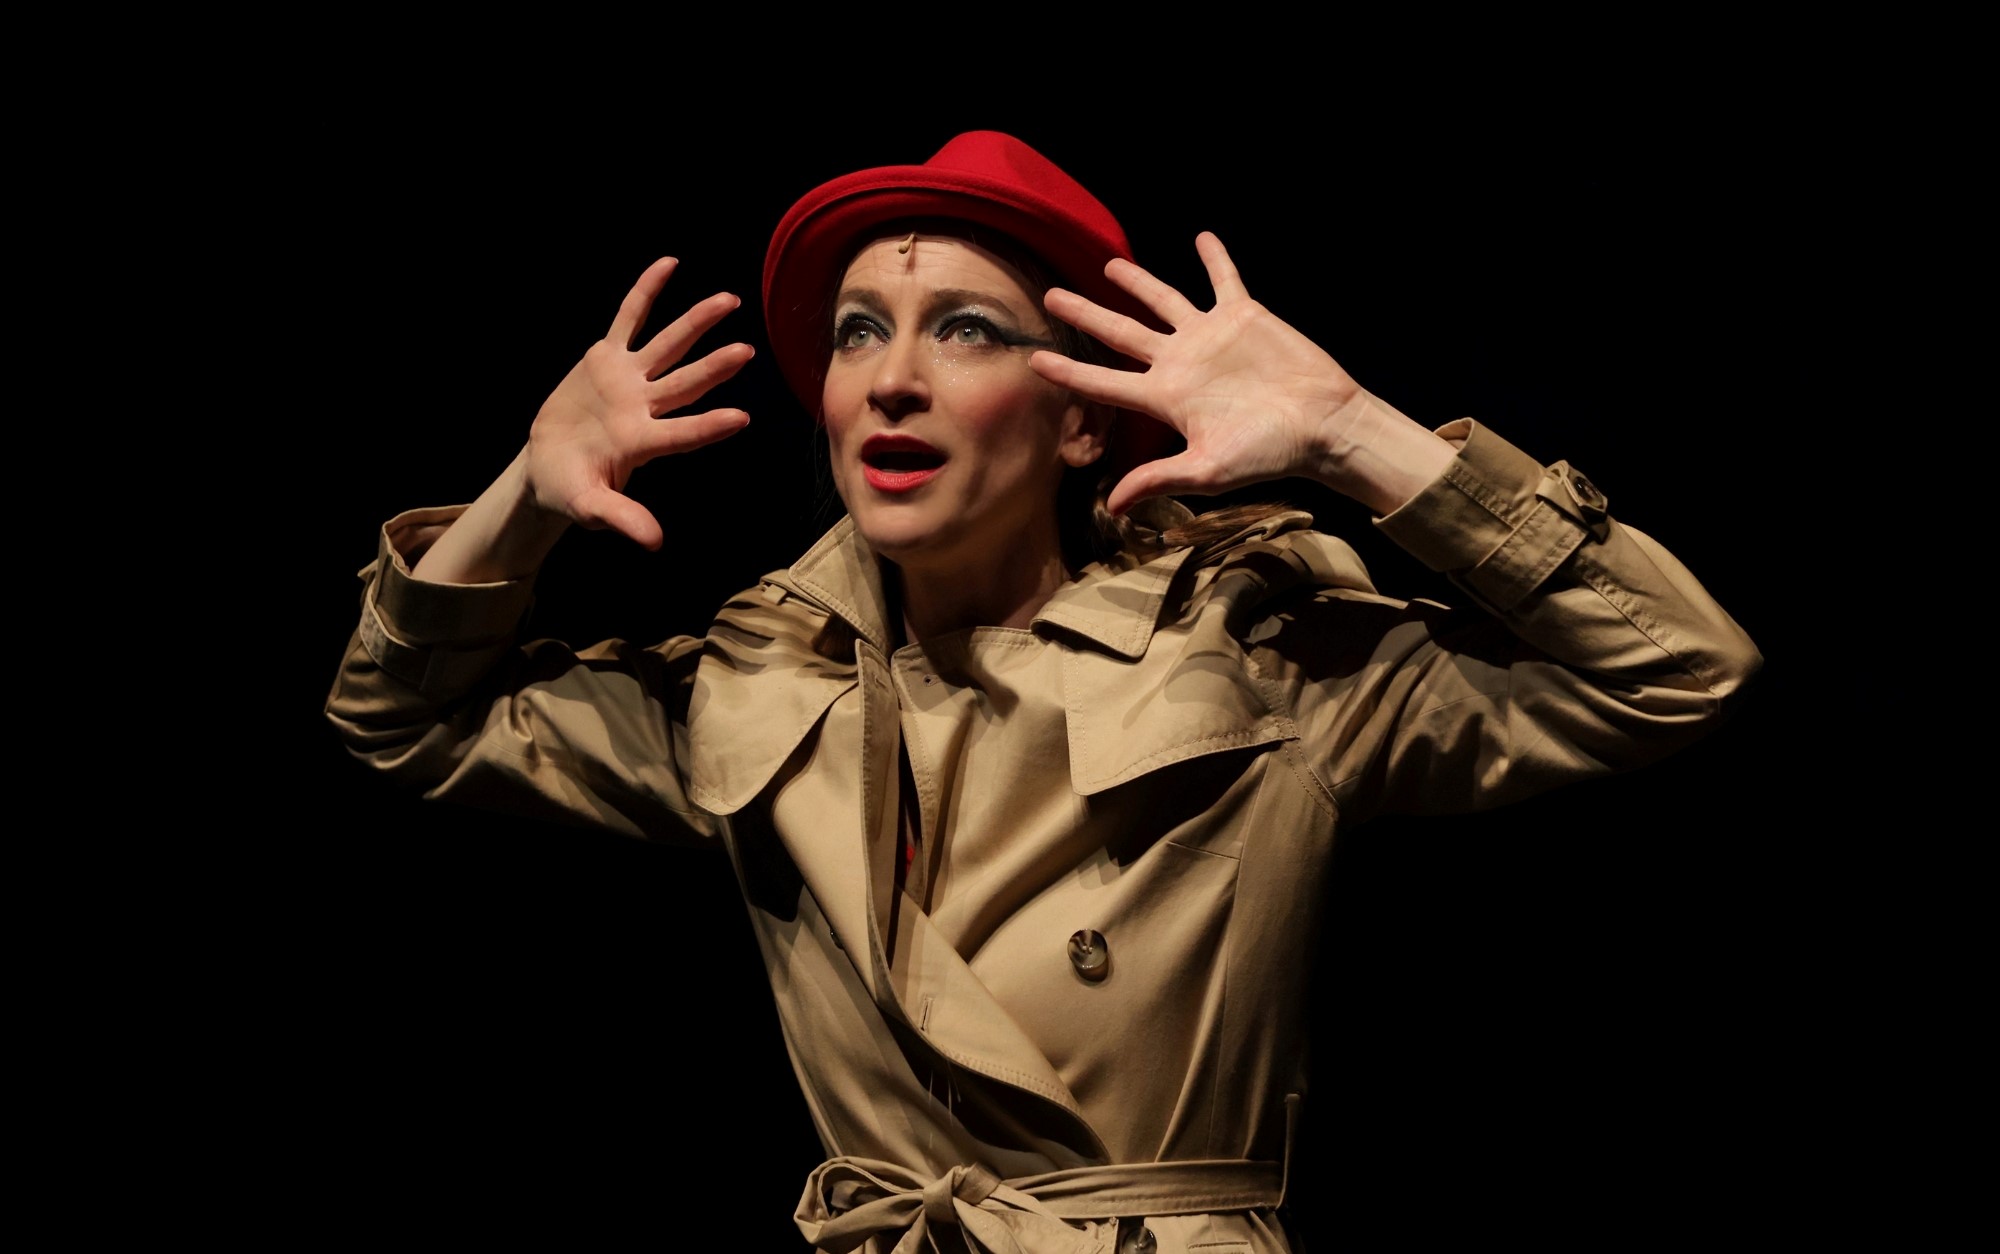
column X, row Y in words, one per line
column 848, row 1200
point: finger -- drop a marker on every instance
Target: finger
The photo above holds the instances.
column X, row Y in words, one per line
column 691, row 382
column 1163, row 300
column 1124, row 388
column 678, row 336
column 603, row 508
column 1222, row 275
column 1128, row 335
column 688, row 432
column 1179, row 473
column 638, row 302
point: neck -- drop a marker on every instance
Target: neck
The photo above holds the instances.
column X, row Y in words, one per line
column 1006, row 592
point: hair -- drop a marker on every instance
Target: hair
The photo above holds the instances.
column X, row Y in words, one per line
column 1089, row 531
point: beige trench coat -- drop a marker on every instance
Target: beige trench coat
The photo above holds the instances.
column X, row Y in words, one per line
column 1086, row 1002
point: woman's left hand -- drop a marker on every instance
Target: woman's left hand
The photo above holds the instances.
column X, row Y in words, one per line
column 1253, row 398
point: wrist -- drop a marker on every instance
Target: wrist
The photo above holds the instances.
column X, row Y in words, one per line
column 1369, row 450
column 504, row 535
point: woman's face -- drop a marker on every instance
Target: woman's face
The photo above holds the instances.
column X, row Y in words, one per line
column 947, row 447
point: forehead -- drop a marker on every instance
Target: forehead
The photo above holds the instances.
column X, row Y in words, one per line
column 899, row 264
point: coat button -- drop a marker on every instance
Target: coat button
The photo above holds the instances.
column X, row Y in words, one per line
column 1089, row 954
column 1136, row 1238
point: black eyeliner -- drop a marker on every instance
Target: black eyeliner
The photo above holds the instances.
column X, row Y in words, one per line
column 1007, row 339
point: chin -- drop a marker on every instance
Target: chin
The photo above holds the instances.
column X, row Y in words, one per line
column 902, row 541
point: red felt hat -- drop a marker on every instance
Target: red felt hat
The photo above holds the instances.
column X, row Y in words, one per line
column 983, row 177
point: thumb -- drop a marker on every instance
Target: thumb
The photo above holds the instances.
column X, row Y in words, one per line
column 1179, row 473
column 603, row 508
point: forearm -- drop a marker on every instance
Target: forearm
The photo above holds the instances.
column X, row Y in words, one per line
column 1586, row 647
column 502, row 536
column 436, row 692
column 1535, row 545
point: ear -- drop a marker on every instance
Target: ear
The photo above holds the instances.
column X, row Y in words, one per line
column 1086, row 430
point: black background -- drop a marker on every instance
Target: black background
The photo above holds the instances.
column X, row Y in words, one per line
column 1579, row 1016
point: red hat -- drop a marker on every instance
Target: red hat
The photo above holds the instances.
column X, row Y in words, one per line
column 982, row 177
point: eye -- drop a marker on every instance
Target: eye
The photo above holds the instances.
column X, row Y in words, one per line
column 970, row 331
column 857, row 331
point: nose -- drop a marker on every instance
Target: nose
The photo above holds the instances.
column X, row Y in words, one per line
column 901, row 384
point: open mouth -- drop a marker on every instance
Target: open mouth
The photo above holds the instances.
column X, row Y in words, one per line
column 904, row 460
column 898, row 463
column 899, row 453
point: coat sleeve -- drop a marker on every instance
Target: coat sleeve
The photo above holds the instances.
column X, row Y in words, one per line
column 436, row 690
column 1586, row 648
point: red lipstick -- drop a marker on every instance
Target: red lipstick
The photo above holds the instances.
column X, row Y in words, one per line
column 894, row 462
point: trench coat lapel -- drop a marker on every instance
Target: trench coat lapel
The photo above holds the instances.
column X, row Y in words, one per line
column 849, row 864
column 764, row 685
column 954, row 1011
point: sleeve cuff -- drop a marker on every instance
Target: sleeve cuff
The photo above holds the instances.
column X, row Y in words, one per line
column 1497, row 521
column 428, row 634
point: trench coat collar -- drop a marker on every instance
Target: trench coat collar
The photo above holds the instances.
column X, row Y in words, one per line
column 1114, row 609
column 1115, row 606
column 841, row 573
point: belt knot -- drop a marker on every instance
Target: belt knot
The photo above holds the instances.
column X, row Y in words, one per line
column 1071, row 1211
column 969, row 1183
column 849, row 1200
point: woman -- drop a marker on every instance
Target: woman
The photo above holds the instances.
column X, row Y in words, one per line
column 1032, row 802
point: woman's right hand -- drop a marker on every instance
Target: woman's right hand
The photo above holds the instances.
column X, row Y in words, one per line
column 604, row 420
column 601, row 423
